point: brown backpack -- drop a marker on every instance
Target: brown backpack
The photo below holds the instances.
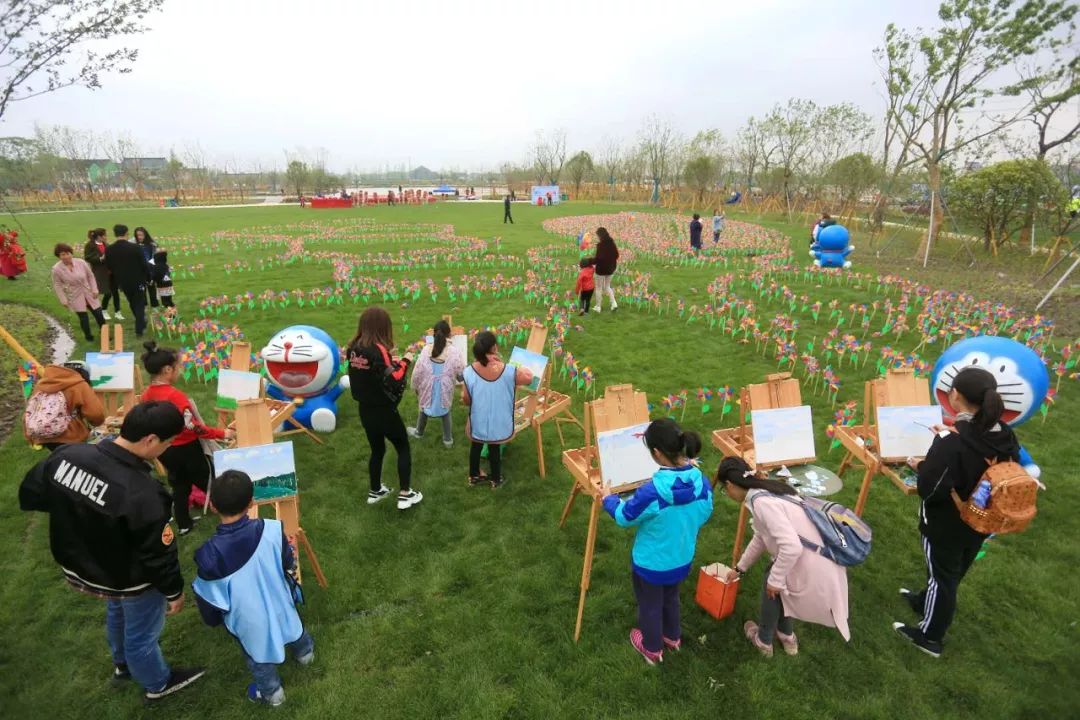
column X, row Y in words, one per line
column 1012, row 500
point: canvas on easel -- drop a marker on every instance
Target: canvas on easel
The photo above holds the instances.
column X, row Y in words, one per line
column 899, row 387
column 905, row 430
column 254, row 429
column 117, row 377
column 783, row 435
column 620, row 408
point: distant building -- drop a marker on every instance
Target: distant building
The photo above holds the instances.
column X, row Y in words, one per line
column 422, row 173
column 152, row 167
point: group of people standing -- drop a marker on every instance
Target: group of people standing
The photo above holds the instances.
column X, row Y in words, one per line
column 132, row 265
column 696, row 228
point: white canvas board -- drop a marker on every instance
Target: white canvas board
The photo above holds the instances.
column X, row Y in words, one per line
column 520, row 357
column 460, row 342
column 272, row 467
column 624, row 459
column 236, row 385
column 111, row 371
column 782, row 434
column 904, row 430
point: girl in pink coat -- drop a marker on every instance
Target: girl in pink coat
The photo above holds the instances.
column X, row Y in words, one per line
column 437, row 369
column 75, row 287
column 799, row 583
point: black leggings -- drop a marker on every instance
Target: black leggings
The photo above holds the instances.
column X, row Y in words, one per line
column 494, row 457
column 114, row 291
column 84, row 320
column 187, row 466
column 382, row 423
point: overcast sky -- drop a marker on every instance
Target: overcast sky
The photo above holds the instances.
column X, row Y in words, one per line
column 467, row 84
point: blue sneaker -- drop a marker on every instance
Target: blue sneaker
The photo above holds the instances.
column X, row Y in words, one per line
column 273, row 700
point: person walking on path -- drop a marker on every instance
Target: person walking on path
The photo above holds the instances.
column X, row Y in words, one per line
column 434, row 376
column 606, row 261
column 97, row 244
column 126, row 262
column 506, row 211
column 109, row 532
column 956, row 461
column 799, row 583
column 490, row 385
column 75, row 288
column 377, row 382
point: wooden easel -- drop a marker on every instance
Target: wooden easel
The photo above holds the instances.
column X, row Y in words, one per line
column 118, row 402
column 254, row 427
column 621, row 406
column 537, row 407
column 898, row 387
column 779, row 390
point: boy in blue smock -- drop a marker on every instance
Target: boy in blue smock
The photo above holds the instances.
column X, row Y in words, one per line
column 245, row 582
column 667, row 511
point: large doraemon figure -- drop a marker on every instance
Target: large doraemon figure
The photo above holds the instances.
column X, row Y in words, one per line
column 832, row 247
column 1021, row 377
column 303, row 362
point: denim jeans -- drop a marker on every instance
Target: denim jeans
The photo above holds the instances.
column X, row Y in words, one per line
column 133, row 626
column 266, row 675
column 447, row 427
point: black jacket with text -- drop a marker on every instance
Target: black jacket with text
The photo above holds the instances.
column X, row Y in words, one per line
column 108, row 520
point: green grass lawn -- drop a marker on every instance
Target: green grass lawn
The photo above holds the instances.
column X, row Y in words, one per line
column 464, row 606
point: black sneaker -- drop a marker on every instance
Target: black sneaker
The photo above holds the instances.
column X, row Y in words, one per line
column 915, row 636
column 498, row 482
column 914, row 600
column 120, row 675
column 475, row 480
column 180, row 679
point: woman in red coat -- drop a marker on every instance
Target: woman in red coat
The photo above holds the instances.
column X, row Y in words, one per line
column 12, row 256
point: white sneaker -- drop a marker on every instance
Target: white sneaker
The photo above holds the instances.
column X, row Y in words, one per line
column 404, row 502
column 596, row 309
column 105, row 314
column 374, row 497
column 448, row 443
column 306, row 659
column 411, row 432
column 117, row 316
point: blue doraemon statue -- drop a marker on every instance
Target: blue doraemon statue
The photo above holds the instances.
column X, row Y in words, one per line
column 303, row 362
column 1020, row 373
column 832, row 247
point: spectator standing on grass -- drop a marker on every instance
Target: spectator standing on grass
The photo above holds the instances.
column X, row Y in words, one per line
column 717, row 226
column 955, row 462
column 163, row 283
column 695, row 233
column 506, row 211
column 606, row 261
column 377, row 382
column 436, row 372
column 799, row 583
column 247, row 582
column 97, row 244
column 75, row 288
column 12, row 255
column 109, row 532
column 668, row 511
column 186, row 461
column 128, row 265
column 149, row 249
column 490, row 385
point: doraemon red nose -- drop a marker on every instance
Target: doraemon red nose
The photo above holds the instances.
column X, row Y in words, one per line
column 292, row 375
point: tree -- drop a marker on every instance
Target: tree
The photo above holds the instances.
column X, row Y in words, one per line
column 701, row 174
column 549, row 156
column 954, row 69
column 174, row 173
column 38, row 39
column 657, row 144
column 297, row 176
column 838, row 131
column 610, row 165
column 791, row 130
column 998, row 198
column 853, row 175
column 752, row 149
column 579, row 167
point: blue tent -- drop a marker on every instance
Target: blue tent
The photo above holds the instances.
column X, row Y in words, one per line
column 443, row 189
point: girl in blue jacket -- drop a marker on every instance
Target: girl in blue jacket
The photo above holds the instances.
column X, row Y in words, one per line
column 668, row 511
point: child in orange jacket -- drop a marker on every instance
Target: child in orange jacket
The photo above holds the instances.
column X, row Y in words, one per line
column 586, row 284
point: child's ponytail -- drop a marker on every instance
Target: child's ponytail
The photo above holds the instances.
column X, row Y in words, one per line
column 666, row 436
column 979, row 387
column 442, row 334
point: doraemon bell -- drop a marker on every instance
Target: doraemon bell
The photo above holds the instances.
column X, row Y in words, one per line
column 303, row 362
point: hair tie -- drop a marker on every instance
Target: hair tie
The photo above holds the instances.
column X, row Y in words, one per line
column 748, row 473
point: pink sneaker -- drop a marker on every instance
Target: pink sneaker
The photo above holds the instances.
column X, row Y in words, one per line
column 750, row 628
column 637, row 640
column 675, row 645
column 790, row 643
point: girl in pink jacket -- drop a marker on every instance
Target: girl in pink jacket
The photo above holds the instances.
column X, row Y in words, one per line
column 799, row 583
column 437, row 369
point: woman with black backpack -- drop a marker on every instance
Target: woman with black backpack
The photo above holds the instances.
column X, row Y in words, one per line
column 800, row 583
column 957, row 460
column 377, row 383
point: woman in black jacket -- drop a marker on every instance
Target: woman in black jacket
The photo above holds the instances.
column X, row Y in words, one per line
column 377, row 382
column 606, row 261
column 956, row 461
column 149, row 249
